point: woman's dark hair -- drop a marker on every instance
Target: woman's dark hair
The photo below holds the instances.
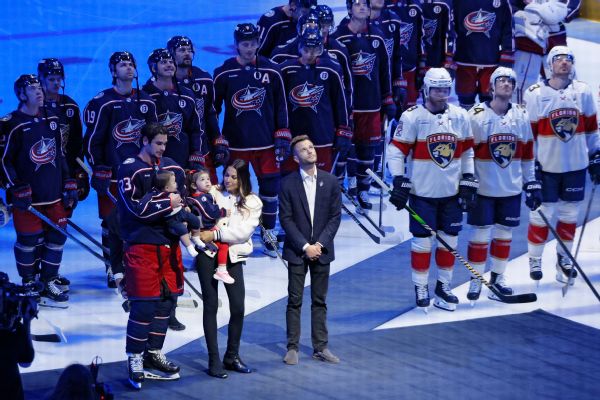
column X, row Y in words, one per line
column 243, row 176
column 75, row 382
column 153, row 129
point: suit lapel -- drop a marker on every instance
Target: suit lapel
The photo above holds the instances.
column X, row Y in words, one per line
column 302, row 195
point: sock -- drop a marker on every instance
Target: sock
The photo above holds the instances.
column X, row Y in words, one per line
column 191, row 250
column 222, row 268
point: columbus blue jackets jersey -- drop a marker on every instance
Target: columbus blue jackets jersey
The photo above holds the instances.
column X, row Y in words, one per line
column 33, row 154
column 177, row 112
column 370, row 67
column 275, row 28
column 253, row 99
column 113, row 126
column 71, row 130
column 316, row 99
column 439, row 37
column 410, row 34
column 201, row 83
column 204, row 206
column 484, row 32
column 141, row 211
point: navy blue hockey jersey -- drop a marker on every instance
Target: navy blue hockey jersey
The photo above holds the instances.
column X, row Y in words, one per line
column 206, row 208
column 71, row 130
column 439, row 37
column 275, row 28
column 410, row 34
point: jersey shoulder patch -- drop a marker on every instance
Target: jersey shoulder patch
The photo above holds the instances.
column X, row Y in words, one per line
column 7, row 117
column 533, row 87
column 269, row 13
column 476, row 110
column 99, row 95
column 411, row 108
column 130, row 160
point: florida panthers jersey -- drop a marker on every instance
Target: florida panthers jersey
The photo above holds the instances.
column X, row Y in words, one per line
column 564, row 125
column 177, row 113
column 33, row 154
column 503, row 146
column 440, row 147
column 410, row 34
column 316, row 100
column 370, row 67
column 71, row 131
column 141, row 211
column 113, row 126
column 201, row 83
column 484, row 32
column 275, row 28
column 253, row 97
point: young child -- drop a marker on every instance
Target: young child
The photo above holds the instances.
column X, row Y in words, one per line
column 180, row 221
column 203, row 203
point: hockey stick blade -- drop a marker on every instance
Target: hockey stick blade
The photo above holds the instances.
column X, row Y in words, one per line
column 373, row 237
column 363, row 212
column 50, row 338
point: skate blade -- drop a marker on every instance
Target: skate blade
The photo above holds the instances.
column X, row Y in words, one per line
column 442, row 305
column 161, row 376
column 424, row 309
column 53, row 304
column 472, row 303
column 560, row 277
column 135, row 385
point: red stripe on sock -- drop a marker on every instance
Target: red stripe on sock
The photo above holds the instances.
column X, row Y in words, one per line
column 537, row 234
column 566, row 231
column 500, row 249
column 477, row 252
column 443, row 258
column 420, row 261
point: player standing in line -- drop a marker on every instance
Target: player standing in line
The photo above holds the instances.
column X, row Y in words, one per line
column 504, row 165
column 214, row 148
column 152, row 256
column 482, row 27
column 563, row 118
column 316, row 101
column 114, row 119
column 37, row 176
column 372, row 90
column 290, row 50
column 439, row 37
column 439, row 183
column 250, row 89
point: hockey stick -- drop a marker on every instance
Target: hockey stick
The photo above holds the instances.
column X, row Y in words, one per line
column 89, row 171
column 88, row 236
column 374, row 237
column 49, row 222
column 364, row 214
column 565, row 288
column 273, row 244
column 568, row 253
column 510, row 299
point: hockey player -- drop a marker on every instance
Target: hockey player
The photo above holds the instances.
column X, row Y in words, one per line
column 482, row 28
column 37, row 176
column 504, row 165
column 214, row 148
column 51, row 74
column 316, row 101
column 439, row 36
column 372, row 89
column 440, row 181
column 114, row 119
column 278, row 25
column 563, row 118
column 152, row 259
column 290, row 50
column 256, row 119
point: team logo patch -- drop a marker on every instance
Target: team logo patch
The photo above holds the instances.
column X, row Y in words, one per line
column 412, row 12
column 564, row 122
column 128, row 131
column 406, row 31
column 362, row 64
column 43, row 152
column 65, row 129
column 442, row 147
column 324, row 75
column 53, row 125
column 389, row 46
column 200, row 107
column 182, row 103
column 173, row 122
column 496, row 4
column 429, row 28
column 70, row 112
column 437, row 9
column 502, row 148
column 479, row 22
column 306, row 95
column 195, row 86
column 144, row 109
column 248, row 99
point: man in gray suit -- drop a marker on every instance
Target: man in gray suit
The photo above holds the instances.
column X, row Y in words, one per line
column 310, row 214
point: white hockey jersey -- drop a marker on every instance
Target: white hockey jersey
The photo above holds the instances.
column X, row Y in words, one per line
column 564, row 125
column 503, row 146
column 440, row 147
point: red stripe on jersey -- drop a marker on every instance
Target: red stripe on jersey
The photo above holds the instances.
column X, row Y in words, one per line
column 500, row 249
column 528, row 153
column 565, row 231
column 403, row 146
column 482, row 151
column 534, row 128
column 421, row 151
column 420, row 261
column 537, row 234
column 477, row 252
column 590, row 123
column 464, row 145
column 545, row 128
column 443, row 258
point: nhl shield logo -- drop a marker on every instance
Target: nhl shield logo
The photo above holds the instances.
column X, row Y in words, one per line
column 442, row 147
column 479, row 22
column 128, row 131
column 502, row 148
column 306, row 95
column 248, row 99
column 564, row 122
column 173, row 122
column 43, row 152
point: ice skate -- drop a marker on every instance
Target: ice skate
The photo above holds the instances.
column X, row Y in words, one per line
column 444, row 298
column 135, row 368
column 52, row 296
column 535, row 269
column 564, row 267
column 269, row 242
column 364, row 202
column 499, row 283
column 474, row 291
column 422, row 297
column 156, row 366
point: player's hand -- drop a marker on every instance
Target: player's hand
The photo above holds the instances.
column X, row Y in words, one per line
column 467, row 192
column 343, row 141
column 533, row 194
column 83, row 184
column 220, row 151
column 400, row 192
column 281, row 141
column 70, row 195
column 594, row 168
column 21, row 196
column 101, row 179
column 196, row 161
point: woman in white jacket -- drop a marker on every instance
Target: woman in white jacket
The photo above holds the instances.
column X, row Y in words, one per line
column 245, row 209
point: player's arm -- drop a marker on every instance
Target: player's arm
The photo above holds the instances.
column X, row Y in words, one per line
column 530, row 100
column 97, row 132
column 210, row 114
column 467, row 156
column 9, row 156
column 220, row 91
column 75, row 144
column 528, row 149
column 148, row 207
column 266, row 37
column 590, row 121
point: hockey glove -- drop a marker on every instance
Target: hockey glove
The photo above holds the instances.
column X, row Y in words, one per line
column 400, row 192
column 467, row 192
column 533, row 194
column 538, row 171
column 343, row 141
column 220, row 151
column 83, row 184
column 21, row 196
column 282, row 139
column 594, row 168
column 450, row 65
column 507, row 59
column 70, row 195
column 399, row 91
column 101, row 179
column 4, row 215
column 196, row 161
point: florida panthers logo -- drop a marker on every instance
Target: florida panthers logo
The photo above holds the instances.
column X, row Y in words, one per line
column 442, row 147
column 173, row 122
column 128, row 131
column 479, row 22
column 248, row 99
column 43, row 152
column 363, row 63
column 429, row 28
column 564, row 122
column 406, row 31
column 200, row 107
column 306, row 95
column 502, row 148
column 65, row 129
